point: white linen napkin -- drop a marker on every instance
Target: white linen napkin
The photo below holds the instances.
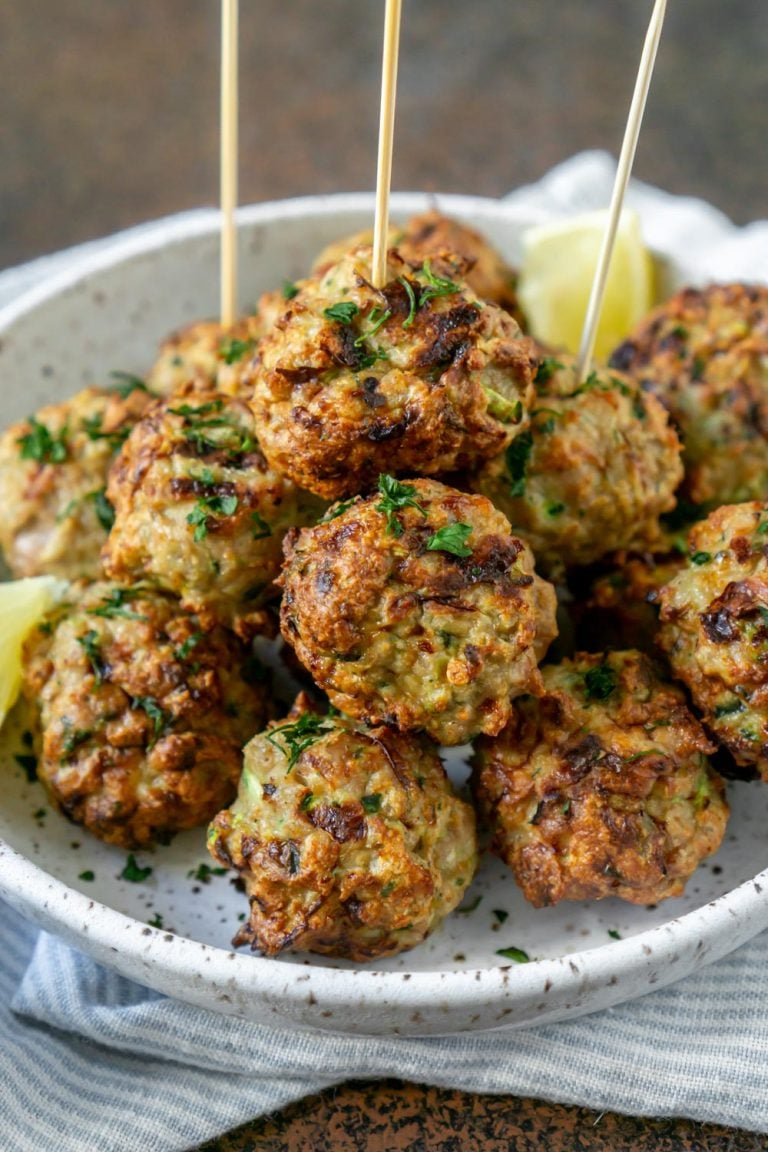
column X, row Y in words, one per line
column 90, row 1060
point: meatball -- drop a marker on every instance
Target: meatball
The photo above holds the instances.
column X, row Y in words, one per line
column 207, row 354
column 199, row 512
column 420, row 376
column 705, row 354
column 143, row 715
column 602, row 786
column 622, row 608
column 714, row 628
column 350, row 841
column 593, row 472
column 53, row 475
column 418, row 608
column 433, row 234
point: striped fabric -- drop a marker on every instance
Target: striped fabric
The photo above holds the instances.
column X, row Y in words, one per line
column 90, row 1062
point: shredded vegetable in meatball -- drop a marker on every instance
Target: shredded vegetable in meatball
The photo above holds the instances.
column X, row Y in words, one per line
column 592, row 474
column 602, row 786
column 417, row 607
column 350, row 841
column 199, row 512
column 705, row 354
column 143, row 715
column 420, row 376
column 206, row 354
column 714, row 628
column 53, row 476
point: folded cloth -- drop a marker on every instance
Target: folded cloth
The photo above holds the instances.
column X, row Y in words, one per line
column 90, row 1060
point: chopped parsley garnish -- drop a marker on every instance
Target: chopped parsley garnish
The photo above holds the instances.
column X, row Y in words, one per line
column 548, row 365
column 105, row 513
column 73, row 738
column 161, row 722
column 88, row 875
column 396, row 496
column 188, row 646
column 436, row 285
column 260, row 527
column 371, row 803
column 233, row 350
column 470, row 906
column 500, row 915
column 343, row 313
column 203, row 873
column 90, row 645
column 290, row 290
column 197, row 410
column 555, row 509
column 614, row 935
column 337, row 510
column 517, row 457
column 206, row 507
column 156, row 921
column 701, row 557
column 28, row 764
column 293, row 739
column 516, row 954
column 133, row 872
column 113, row 604
column 93, row 426
column 388, row 889
column 377, row 317
column 728, row 709
column 126, row 383
column 413, row 305
column 451, row 538
column 600, row 682
column 43, row 445
column 306, row 802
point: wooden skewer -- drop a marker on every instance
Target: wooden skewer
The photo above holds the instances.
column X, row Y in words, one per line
column 228, row 174
column 623, row 172
column 386, row 134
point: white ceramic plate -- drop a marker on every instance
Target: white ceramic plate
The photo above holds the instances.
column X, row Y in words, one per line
column 109, row 313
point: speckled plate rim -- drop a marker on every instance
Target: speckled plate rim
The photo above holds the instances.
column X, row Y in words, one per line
column 359, row 1001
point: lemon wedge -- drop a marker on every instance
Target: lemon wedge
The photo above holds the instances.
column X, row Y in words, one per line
column 22, row 604
column 558, row 267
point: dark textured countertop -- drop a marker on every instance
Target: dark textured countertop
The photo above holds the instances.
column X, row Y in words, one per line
column 110, row 118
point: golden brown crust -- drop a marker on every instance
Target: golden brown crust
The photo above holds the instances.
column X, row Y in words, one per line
column 413, row 378
column 399, row 633
column 705, row 353
column 596, row 468
column 53, row 476
column 357, row 847
column 143, row 714
column 622, row 608
column 199, row 512
column 601, row 787
column 714, row 628
column 206, row 355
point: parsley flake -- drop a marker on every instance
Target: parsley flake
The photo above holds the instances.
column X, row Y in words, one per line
column 451, row 538
column 161, row 722
column 548, row 365
column 337, row 509
column 42, row 445
column 92, row 649
column 516, row 954
column 600, row 682
column 126, row 383
column 105, row 513
column 396, row 496
column 701, row 557
column 371, row 803
column 28, row 764
column 517, row 457
column 233, row 350
column 293, row 739
column 377, row 317
column 412, row 302
column 260, row 527
column 88, row 875
column 207, row 507
column 436, row 285
column 133, row 872
column 290, row 290
column 343, row 313
column 203, row 873
column 112, row 605
column 188, row 646
column 470, row 906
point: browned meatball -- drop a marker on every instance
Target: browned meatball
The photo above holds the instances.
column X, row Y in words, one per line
column 592, row 474
column 199, row 512
column 206, row 354
column 622, row 608
column 350, row 841
column 714, row 628
column 421, row 376
column 602, row 786
column 432, row 234
column 705, row 354
column 143, row 715
column 53, row 476
column 417, row 607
